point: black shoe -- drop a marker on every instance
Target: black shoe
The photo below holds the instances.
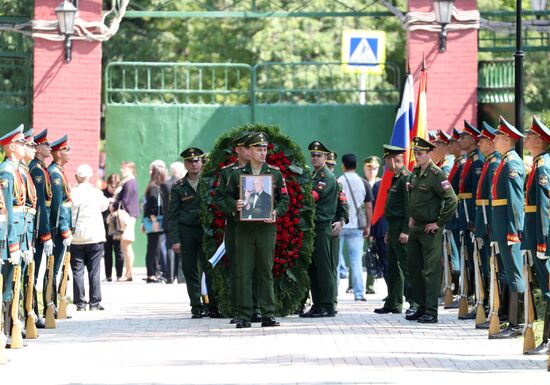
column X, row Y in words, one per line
column 320, row 313
column 270, row 322
column 196, row 313
column 542, row 349
column 484, row 325
column 470, row 315
column 242, row 324
column 383, row 310
column 96, row 308
column 310, row 312
column 234, row 320
column 256, row 318
column 81, row 308
column 153, row 280
column 509, row 332
column 370, row 291
column 410, row 310
column 414, row 316
column 349, row 290
column 40, row 323
column 214, row 313
column 362, row 299
column 428, row 319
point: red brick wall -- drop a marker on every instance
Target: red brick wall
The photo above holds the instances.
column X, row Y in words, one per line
column 67, row 96
column 452, row 75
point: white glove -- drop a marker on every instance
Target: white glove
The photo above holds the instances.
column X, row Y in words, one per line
column 542, row 255
column 480, row 243
column 67, row 241
column 15, row 257
column 511, row 243
column 48, row 248
column 27, row 256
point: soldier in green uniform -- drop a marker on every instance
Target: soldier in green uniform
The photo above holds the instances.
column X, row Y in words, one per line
column 255, row 240
column 508, row 198
column 243, row 156
column 186, row 232
column 396, row 211
column 432, row 203
column 323, row 269
column 537, row 222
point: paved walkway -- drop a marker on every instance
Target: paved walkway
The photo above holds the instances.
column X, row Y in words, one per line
column 146, row 336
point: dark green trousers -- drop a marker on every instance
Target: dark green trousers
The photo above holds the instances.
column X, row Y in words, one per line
column 512, row 261
column 194, row 263
column 255, row 243
column 231, row 252
column 424, row 257
column 335, row 250
column 399, row 282
column 7, row 281
column 323, row 269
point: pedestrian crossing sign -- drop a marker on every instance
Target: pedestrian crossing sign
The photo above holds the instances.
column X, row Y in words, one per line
column 363, row 51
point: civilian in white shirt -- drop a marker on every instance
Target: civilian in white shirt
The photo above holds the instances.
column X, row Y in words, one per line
column 88, row 238
column 352, row 234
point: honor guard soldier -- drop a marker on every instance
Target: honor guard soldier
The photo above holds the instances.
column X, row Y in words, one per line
column 466, row 206
column 323, row 272
column 452, row 228
column 396, row 213
column 442, row 143
column 60, row 208
column 508, row 199
column 243, row 156
column 41, row 180
column 187, row 233
column 255, row 240
column 431, row 204
column 537, row 221
column 13, row 192
column 483, row 201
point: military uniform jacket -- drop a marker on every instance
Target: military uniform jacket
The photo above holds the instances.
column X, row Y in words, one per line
column 432, row 198
column 454, row 179
column 232, row 190
column 184, row 208
column 13, row 191
column 535, row 231
column 30, row 204
column 508, row 199
column 60, row 210
column 483, row 196
column 397, row 202
column 41, row 180
column 342, row 210
column 225, row 173
column 467, row 188
column 325, row 195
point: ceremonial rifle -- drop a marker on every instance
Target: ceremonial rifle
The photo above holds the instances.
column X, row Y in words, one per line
column 494, row 295
column 3, row 358
column 528, row 334
column 463, row 303
column 16, row 332
column 63, row 300
column 30, row 322
column 50, row 307
column 448, row 293
column 480, row 289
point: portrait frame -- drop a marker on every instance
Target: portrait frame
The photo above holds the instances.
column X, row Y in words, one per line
column 261, row 186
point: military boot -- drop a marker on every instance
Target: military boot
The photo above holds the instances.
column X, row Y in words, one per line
column 504, row 308
column 515, row 316
column 544, row 347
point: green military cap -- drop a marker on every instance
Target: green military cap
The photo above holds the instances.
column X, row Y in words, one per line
column 318, row 147
column 392, row 150
column 241, row 138
column 421, row 144
column 192, row 153
column 372, row 159
column 331, row 158
column 257, row 139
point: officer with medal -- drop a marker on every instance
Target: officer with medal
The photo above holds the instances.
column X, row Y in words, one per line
column 396, row 212
column 452, row 227
column 243, row 156
column 432, row 202
column 41, row 181
column 187, row 234
column 323, row 271
column 508, row 198
column 255, row 240
column 13, row 190
column 483, row 202
column 61, row 222
column 466, row 206
column 537, row 221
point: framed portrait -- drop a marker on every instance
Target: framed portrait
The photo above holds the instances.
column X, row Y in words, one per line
column 257, row 193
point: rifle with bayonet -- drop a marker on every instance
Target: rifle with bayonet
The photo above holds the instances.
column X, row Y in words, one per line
column 494, row 292
column 30, row 321
column 463, row 303
column 479, row 287
column 448, row 291
column 63, row 300
column 50, row 307
column 16, row 332
column 528, row 334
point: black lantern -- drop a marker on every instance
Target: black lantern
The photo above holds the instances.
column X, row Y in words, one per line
column 66, row 13
column 443, row 14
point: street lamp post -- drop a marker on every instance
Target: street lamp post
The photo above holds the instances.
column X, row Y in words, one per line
column 66, row 12
column 443, row 14
column 518, row 84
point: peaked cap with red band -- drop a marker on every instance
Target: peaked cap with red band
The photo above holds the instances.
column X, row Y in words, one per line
column 487, row 131
column 432, row 136
column 538, row 128
column 455, row 136
column 507, row 129
column 29, row 138
column 60, row 143
column 470, row 130
column 443, row 137
column 42, row 137
column 13, row 136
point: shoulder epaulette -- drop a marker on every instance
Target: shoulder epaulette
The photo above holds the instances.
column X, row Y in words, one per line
column 273, row 167
column 228, row 165
column 181, row 181
column 405, row 172
column 436, row 170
